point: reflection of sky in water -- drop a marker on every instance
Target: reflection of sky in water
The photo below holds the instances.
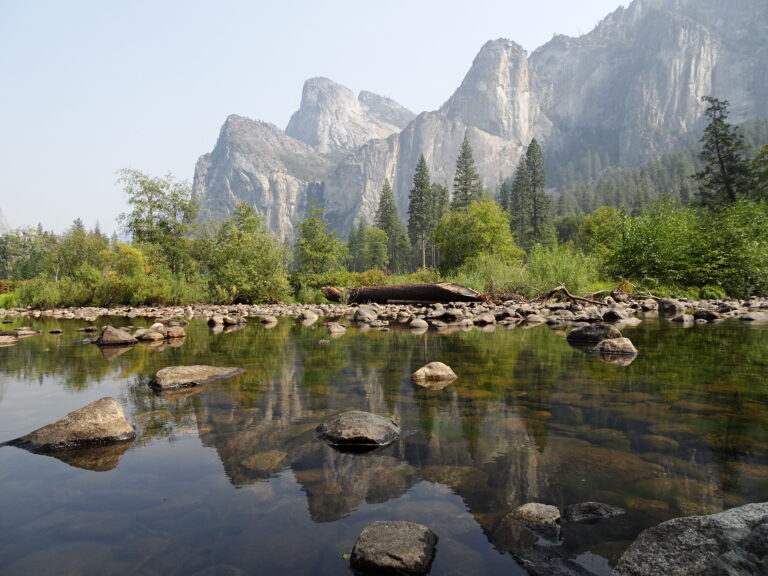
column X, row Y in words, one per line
column 233, row 476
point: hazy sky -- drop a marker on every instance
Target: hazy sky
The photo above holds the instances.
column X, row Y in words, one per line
column 89, row 87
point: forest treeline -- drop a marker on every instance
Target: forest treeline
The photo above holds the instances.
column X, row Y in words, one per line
column 691, row 223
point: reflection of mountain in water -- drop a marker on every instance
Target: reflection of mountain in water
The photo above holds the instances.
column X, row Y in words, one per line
column 528, row 420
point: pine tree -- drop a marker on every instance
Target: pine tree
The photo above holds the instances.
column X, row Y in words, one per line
column 466, row 181
column 518, row 205
column 387, row 219
column 418, row 210
column 540, row 205
column 727, row 175
column 437, row 206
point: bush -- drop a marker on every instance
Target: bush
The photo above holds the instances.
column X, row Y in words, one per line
column 9, row 300
column 550, row 266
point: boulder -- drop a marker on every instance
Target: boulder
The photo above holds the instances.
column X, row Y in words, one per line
column 335, row 329
column 114, row 337
column 434, row 372
column 365, row 314
column 8, row 340
column 148, row 335
column 532, row 320
column 172, row 332
column 100, row 422
column 706, row 315
column 394, row 548
column 216, row 320
column 418, row 324
column 307, row 317
column 671, row 307
column 754, row 317
column 358, row 429
column 593, row 333
column 730, row 542
column 484, row 319
column 613, row 346
column 187, row 376
column 541, row 518
column 589, row 511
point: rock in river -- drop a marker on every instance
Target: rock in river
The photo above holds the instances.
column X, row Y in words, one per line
column 730, row 542
column 593, row 333
column 100, row 422
column 186, row 376
column 588, row 511
column 541, row 518
column 434, row 372
column 114, row 337
column 613, row 346
column 358, row 429
column 394, row 548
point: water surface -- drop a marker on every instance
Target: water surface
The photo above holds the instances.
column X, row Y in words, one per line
column 232, row 479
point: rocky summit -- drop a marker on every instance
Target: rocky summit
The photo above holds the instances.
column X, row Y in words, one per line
column 627, row 91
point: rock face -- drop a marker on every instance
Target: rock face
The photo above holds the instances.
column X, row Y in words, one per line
column 358, row 429
column 394, row 548
column 100, row 422
column 731, row 542
column 627, row 91
column 187, row 376
column 4, row 226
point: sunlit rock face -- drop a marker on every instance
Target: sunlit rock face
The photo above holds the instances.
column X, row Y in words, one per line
column 628, row 91
column 4, row 227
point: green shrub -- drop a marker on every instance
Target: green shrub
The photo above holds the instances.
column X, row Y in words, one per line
column 9, row 300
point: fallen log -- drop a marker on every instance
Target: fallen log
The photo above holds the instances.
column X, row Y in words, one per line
column 442, row 292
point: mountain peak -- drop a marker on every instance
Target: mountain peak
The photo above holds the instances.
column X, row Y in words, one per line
column 331, row 119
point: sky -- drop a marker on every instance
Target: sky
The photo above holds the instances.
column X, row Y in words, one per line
column 88, row 87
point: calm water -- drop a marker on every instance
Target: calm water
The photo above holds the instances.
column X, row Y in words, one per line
column 231, row 480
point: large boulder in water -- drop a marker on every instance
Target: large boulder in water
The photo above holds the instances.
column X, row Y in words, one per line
column 187, row 376
column 434, row 372
column 394, row 548
column 358, row 429
column 111, row 336
column 613, row 346
column 730, row 542
column 593, row 333
column 100, row 422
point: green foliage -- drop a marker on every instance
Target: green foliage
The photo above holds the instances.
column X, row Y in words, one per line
column 526, row 200
column 316, row 249
column 246, row 263
column 549, row 265
column 163, row 211
column 600, row 232
column 726, row 175
column 656, row 246
column 466, row 179
column 9, row 300
column 760, row 171
column 418, row 210
column 486, row 273
column 482, row 228
column 388, row 220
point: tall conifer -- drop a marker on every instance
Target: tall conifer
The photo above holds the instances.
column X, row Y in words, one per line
column 466, row 180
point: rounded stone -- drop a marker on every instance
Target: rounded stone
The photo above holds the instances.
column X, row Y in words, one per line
column 434, row 371
column 358, row 428
column 593, row 333
column 394, row 548
column 613, row 346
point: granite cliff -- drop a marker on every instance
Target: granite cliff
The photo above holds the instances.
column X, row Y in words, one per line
column 629, row 90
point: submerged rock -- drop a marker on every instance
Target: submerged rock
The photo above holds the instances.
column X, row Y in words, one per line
column 186, row 376
column 8, row 340
column 394, row 548
column 100, row 422
column 359, row 429
column 731, row 542
column 587, row 511
column 111, row 336
column 671, row 307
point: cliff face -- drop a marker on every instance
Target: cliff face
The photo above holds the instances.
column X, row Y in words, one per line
column 629, row 90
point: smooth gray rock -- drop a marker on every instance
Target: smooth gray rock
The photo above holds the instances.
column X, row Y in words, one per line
column 402, row 548
column 593, row 333
column 365, row 314
column 669, row 307
column 101, row 422
column 358, row 429
column 588, row 511
column 418, row 324
column 733, row 543
column 187, row 376
column 613, row 346
column 432, row 373
column 114, row 337
column 541, row 518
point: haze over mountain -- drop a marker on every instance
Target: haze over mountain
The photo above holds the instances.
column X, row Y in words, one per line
column 629, row 90
column 4, row 226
